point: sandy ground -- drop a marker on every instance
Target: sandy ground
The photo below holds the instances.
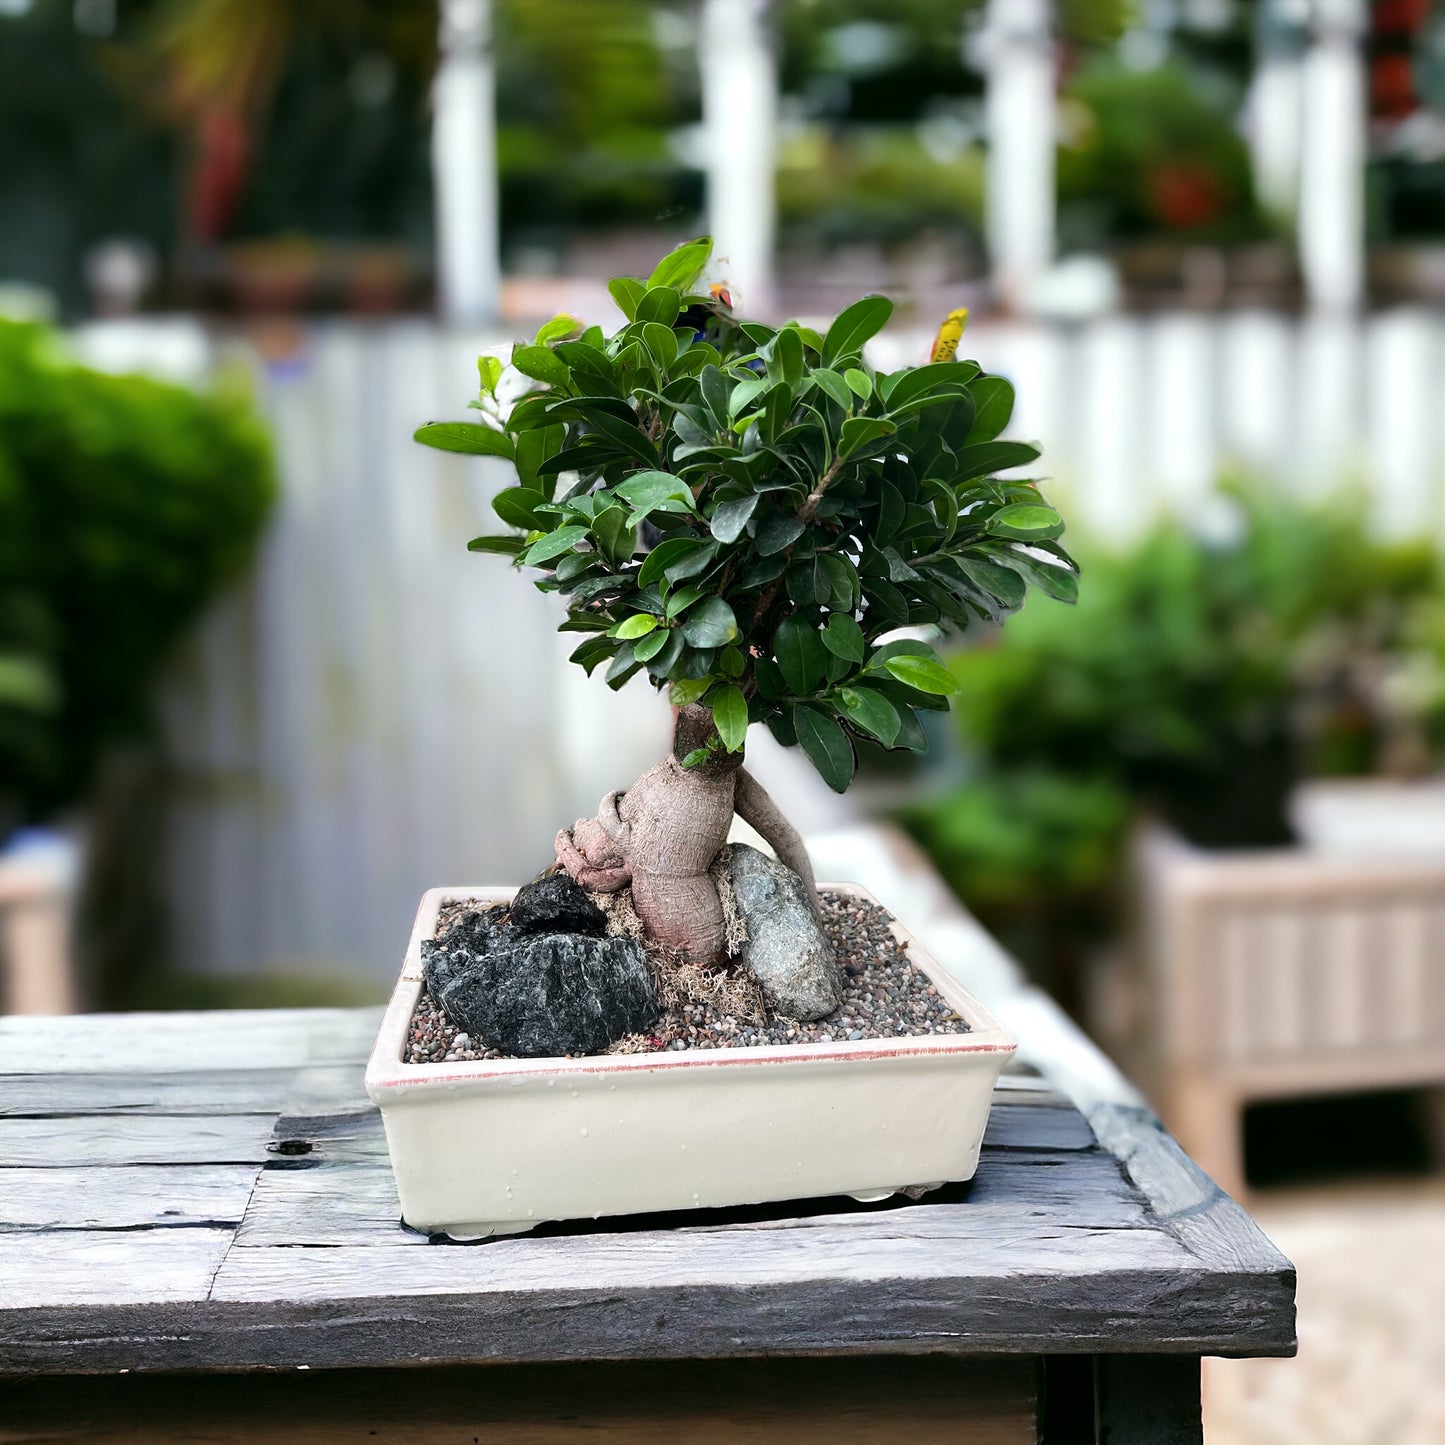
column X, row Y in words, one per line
column 1371, row 1365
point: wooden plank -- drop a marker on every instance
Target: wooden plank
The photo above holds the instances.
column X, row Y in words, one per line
column 1186, row 1202
column 356, row 1204
column 1006, row 1310
column 150, row 1043
column 1036, row 1126
column 98, row 1140
column 920, row 1401
column 343, row 1204
column 125, row 1197
column 230, row 1091
column 40, row 1269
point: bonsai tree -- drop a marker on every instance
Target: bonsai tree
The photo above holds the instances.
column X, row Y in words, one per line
column 763, row 524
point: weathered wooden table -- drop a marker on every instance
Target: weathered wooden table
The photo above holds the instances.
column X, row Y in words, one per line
column 183, row 1196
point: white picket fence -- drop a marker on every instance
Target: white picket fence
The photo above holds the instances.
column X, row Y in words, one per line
column 379, row 711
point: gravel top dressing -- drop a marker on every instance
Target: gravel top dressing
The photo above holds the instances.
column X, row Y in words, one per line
column 884, row 996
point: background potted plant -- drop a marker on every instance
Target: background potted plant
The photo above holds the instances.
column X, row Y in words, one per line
column 763, row 525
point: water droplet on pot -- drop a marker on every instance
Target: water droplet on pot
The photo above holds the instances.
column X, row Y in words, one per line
column 583, row 1131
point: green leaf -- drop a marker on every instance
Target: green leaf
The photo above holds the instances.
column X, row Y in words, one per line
column 834, row 387
column 993, row 402
column 623, row 432
column 826, row 745
column 688, row 689
column 731, row 516
column 661, row 341
column 623, row 666
column 554, row 544
column 541, row 364
column 857, row 324
column 517, row 507
column 841, row 592
column 682, row 599
column 922, row 673
column 661, row 304
column 859, row 431
column 997, row 581
column 626, row 293
column 867, row 709
column 681, row 267
column 489, row 369
column 730, row 716
column 776, row 532
column 649, row 646
column 656, row 492
column 1025, row 521
column 615, row 535
column 533, row 448
column 638, row 625
column 984, row 458
column 843, row 637
column 800, row 654
column 465, row 436
column 788, row 356
column 507, row 546
column 710, row 625
column 662, row 556
column 921, row 380
column 859, row 382
column 716, row 393
column 559, row 327
column 743, row 394
column 693, row 564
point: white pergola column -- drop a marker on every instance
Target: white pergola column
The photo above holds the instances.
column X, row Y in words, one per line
column 1019, row 111
column 1276, row 101
column 1332, row 159
column 738, row 70
column 464, row 165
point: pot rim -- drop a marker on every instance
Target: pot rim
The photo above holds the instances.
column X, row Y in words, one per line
column 387, row 1073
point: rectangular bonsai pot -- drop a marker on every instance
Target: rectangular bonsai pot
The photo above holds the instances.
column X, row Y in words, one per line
column 501, row 1145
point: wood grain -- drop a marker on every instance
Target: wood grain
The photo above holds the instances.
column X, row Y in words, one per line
column 924, row 1401
column 200, row 1215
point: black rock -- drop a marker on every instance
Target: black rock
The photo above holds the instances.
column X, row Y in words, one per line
column 542, row 995
column 557, row 904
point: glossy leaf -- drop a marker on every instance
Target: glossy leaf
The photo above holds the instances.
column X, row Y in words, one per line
column 710, row 624
column 466, row 437
column 517, row 507
column 867, row 709
column 855, row 326
column 731, row 516
column 626, row 293
column 730, row 716
column 800, row 654
column 922, row 673
column 826, row 745
column 843, row 637
column 681, row 267
column 554, row 544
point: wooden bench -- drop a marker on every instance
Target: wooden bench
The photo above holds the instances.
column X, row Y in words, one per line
column 199, row 1239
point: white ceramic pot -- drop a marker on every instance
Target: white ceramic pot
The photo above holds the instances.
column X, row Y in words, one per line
column 499, row 1146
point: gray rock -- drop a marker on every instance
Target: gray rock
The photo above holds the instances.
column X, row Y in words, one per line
column 556, row 903
column 541, row 995
column 787, row 950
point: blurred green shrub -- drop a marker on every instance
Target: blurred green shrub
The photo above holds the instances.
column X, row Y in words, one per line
column 1195, row 678
column 125, row 504
column 1150, row 152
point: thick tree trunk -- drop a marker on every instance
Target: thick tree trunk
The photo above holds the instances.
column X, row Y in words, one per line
column 663, row 833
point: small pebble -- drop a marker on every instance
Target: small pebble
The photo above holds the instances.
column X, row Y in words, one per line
column 884, row 996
